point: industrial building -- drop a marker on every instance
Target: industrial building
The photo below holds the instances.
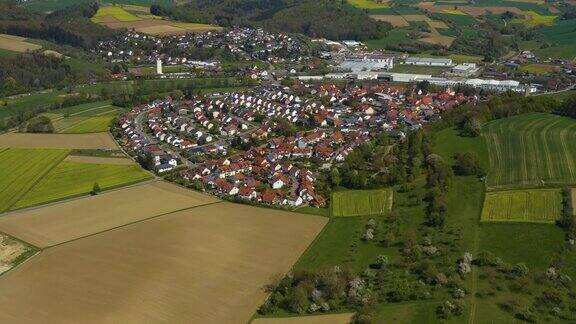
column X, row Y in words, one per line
column 426, row 61
column 366, row 62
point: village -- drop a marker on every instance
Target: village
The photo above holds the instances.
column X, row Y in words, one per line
column 271, row 145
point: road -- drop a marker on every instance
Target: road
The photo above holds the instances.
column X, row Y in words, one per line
column 570, row 88
column 141, row 119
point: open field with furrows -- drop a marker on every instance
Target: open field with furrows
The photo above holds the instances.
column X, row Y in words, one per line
column 21, row 169
column 16, row 44
column 208, row 264
column 344, row 318
column 361, row 202
column 102, row 141
column 70, row 179
column 62, row 222
column 531, row 150
column 530, row 205
column 118, row 17
column 99, row 160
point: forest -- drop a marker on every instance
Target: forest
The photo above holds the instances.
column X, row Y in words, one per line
column 321, row 18
column 69, row 26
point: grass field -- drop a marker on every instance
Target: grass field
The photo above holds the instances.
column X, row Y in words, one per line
column 91, row 125
column 539, row 68
column 361, row 202
column 70, row 179
column 62, row 222
column 531, row 150
column 455, row 12
column 117, row 12
column 16, row 44
column 536, row 19
column 21, row 169
column 534, row 206
column 173, row 268
column 332, row 246
column 368, row 4
column 93, row 117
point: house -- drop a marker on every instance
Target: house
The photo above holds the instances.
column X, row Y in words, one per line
column 247, row 193
column 161, row 168
column 294, row 201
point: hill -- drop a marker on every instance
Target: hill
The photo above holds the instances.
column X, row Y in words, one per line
column 330, row 19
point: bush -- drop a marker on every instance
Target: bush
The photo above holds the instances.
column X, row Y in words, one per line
column 40, row 124
column 468, row 164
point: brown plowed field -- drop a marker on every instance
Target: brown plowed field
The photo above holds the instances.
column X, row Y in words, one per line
column 208, row 264
column 62, row 222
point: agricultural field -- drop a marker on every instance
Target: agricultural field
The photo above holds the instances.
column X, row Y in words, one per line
column 59, row 223
column 134, row 17
column 103, row 141
column 530, row 205
column 21, row 169
column 86, row 118
column 70, row 179
column 177, row 267
column 97, row 124
column 531, row 150
column 361, row 202
column 394, row 20
column 16, row 44
column 116, row 12
column 534, row 19
column 99, row 160
column 369, row 4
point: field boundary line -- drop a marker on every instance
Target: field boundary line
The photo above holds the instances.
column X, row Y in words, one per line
column 132, row 223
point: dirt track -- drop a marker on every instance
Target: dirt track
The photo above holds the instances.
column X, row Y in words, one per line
column 99, row 160
column 71, row 141
column 204, row 265
column 47, row 226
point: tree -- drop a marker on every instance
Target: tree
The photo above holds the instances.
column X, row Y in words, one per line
column 468, row 163
column 382, row 261
column 335, row 178
column 40, row 124
column 95, row 189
